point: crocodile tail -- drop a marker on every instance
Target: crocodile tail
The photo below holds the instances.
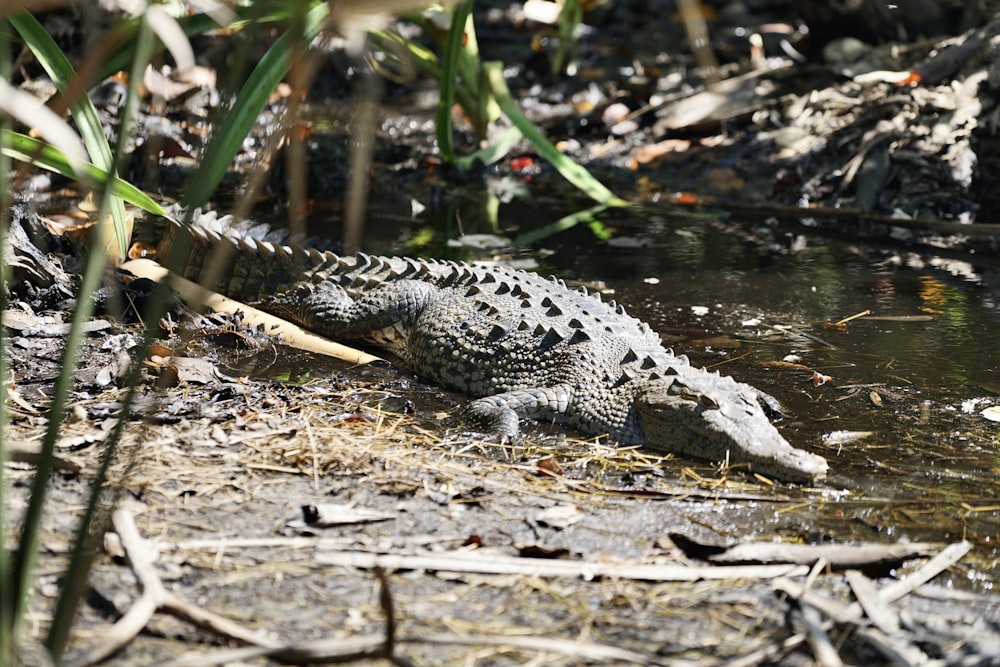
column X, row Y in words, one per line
column 240, row 267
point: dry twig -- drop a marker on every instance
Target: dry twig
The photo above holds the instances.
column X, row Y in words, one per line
column 156, row 598
column 545, row 567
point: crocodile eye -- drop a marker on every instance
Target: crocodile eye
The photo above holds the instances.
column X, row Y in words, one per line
column 708, row 402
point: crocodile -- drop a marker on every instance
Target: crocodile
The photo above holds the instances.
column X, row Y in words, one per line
column 522, row 345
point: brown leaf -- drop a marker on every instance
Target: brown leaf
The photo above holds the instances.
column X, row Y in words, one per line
column 820, row 379
column 549, row 467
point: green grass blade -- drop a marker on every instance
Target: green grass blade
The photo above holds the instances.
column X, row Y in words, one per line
column 84, row 114
column 228, row 138
column 27, row 541
column 423, row 58
column 569, row 169
column 562, row 224
column 59, row 69
column 449, row 74
column 8, row 618
column 483, row 109
column 24, row 148
column 494, row 152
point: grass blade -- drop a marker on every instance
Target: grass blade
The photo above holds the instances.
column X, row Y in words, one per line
column 494, row 152
column 8, row 619
column 74, row 580
column 24, row 148
column 85, row 115
column 28, row 110
column 588, row 215
column 569, row 169
column 449, row 75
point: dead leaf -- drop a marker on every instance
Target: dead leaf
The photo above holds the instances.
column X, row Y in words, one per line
column 992, row 413
column 549, row 467
column 193, row 369
column 819, row 379
column 559, row 516
column 325, row 515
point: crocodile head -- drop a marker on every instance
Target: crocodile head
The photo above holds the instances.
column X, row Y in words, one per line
column 713, row 417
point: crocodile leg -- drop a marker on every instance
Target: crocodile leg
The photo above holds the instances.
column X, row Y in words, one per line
column 499, row 414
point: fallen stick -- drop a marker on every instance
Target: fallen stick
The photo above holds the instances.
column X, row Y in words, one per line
column 346, row 650
column 156, row 598
column 877, row 609
column 546, row 567
column 950, row 555
column 199, row 297
column 839, row 555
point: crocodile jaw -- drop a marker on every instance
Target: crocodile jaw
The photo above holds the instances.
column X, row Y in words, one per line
column 715, row 418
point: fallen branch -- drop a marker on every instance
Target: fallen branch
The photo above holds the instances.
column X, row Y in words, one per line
column 546, row 567
column 156, row 598
column 345, row 650
column 839, row 556
column 200, row 298
column 932, row 568
column 896, row 647
column 886, row 637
